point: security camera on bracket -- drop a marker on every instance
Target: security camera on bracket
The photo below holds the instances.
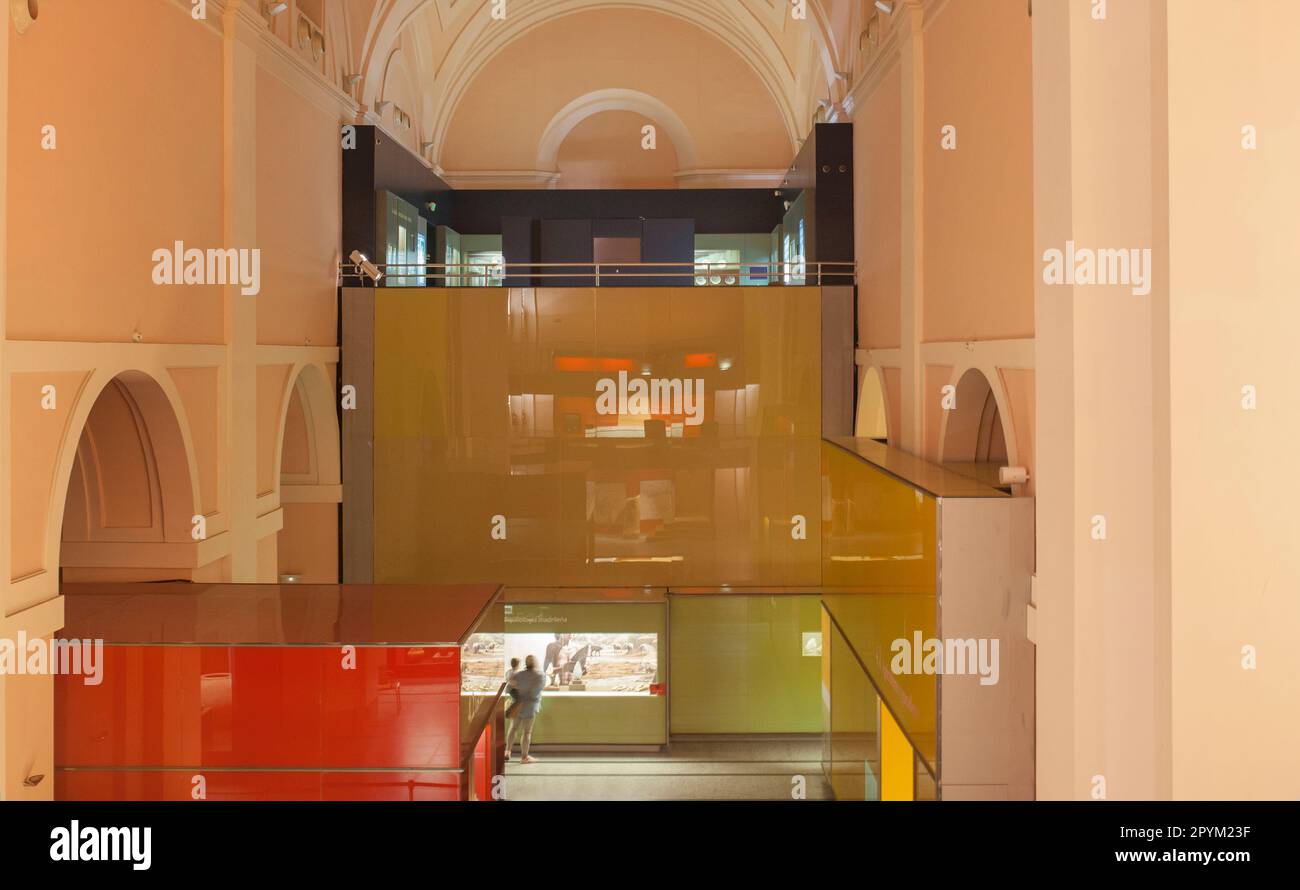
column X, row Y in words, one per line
column 365, row 267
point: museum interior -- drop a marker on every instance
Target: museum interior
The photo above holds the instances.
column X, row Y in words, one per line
column 827, row 394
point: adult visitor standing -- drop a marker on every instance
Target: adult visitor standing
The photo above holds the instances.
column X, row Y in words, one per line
column 527, row 685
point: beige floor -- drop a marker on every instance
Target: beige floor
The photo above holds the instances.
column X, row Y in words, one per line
column 688, row 770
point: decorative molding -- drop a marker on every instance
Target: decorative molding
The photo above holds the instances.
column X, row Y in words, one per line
column 890, row 357
column 36, row 620
column 723, row 178
column 486, row 179
column 54, row 355
column 276, row 56
column 597, row 101
column 271, row 354
column 151, row 554
column 311, row 494
column 1015, row 354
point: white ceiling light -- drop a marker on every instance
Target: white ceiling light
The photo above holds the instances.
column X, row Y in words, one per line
column 885, row 6
column 272, row 8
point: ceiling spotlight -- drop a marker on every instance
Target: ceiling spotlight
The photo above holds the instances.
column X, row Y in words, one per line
column 354, row 79
column 425, row 146
column 885, row 6
column 381, row 107
column 365, row 267
column 273, row 8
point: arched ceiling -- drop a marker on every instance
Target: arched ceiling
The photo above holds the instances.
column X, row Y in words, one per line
column 427, row 56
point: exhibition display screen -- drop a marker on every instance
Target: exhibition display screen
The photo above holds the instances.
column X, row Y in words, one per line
column 601, row 658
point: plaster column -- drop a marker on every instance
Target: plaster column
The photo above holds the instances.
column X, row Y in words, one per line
column 241, row 25
column 910, row 21
column 1103, row 609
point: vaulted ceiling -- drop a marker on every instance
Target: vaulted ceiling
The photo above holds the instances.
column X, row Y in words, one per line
column 488, row 91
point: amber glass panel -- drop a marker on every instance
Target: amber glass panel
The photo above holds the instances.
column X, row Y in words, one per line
column 897, row 761
column 853, row 764
column 879, row 533
column 880, row 556
column 599, row 437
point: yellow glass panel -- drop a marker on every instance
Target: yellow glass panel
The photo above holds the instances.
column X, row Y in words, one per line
column 896, row 761
column 879, row 562
column 598, row 436
column 853, row 747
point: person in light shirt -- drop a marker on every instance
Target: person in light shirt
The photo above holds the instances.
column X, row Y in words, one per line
column 526, row 687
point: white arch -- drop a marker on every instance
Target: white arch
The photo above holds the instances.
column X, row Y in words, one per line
column 153, row 396
column 312, row 383
column 994, row 381
column 873, row 406
column 583, row 107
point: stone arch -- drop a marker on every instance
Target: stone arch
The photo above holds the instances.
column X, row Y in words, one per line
column 126, row 479
column 872, row 420
column 978, row 429
column 597, row 101
column 307, row 410
column 307, row 474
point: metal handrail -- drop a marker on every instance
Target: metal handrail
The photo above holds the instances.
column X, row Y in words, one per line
column 835, row 272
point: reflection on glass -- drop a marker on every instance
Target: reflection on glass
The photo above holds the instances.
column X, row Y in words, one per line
column 597, row 436
column 853, row 746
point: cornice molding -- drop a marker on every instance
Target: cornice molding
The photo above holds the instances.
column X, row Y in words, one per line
column 483, row 179
column 887, row 54
column 729, row 178
column 273, row 54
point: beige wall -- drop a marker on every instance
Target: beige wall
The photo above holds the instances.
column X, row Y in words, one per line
column 605, row 151
column 978, row 239
column 1233, row 237
column 944, row 237
column 211, row 133
column 877, row 213
column 1142, row 679
column 138, row 166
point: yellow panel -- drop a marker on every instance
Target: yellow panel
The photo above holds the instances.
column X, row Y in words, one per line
column 879, row 562
column 896, row 761
column 489, row 418
column 852, row 742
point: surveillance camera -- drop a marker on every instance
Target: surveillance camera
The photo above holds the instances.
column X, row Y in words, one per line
column 364, row 266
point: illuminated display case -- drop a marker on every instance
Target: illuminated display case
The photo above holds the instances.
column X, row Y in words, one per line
column 600, row 649
column 613, row 663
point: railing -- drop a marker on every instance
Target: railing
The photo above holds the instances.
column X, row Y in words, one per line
column 868, row 752
column 570, row 274
column 483, row 748
column 879, row 576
